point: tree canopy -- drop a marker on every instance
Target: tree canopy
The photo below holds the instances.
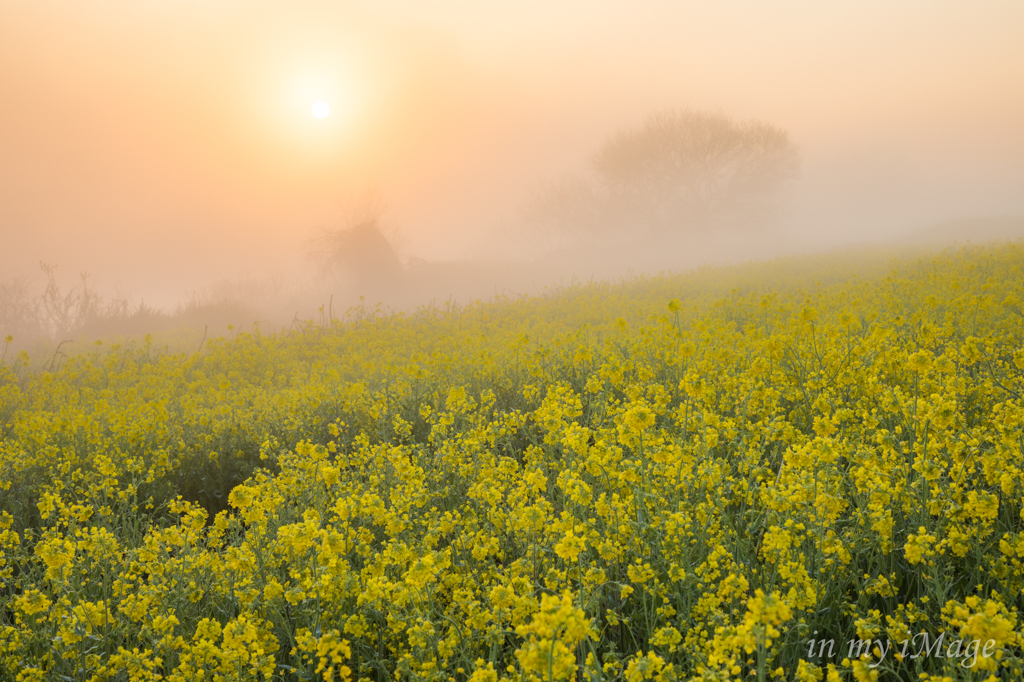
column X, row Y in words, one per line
column 681, row 171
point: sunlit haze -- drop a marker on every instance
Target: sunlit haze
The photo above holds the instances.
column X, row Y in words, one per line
column 166, row 146
column 321, row 109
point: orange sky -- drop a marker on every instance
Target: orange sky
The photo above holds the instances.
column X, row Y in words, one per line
column 163, row 145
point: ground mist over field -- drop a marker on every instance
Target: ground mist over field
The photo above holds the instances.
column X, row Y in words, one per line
column 170, row 152
column 54, row 323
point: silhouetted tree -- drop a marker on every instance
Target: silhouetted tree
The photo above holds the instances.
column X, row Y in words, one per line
column 365, row 254
column 359, row 251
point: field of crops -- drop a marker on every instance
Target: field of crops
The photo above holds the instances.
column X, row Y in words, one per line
column 738, row 473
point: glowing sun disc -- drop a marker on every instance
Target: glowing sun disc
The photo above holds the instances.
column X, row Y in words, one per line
column 321, row 109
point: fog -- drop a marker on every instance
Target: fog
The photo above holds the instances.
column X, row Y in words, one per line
column 167, row 148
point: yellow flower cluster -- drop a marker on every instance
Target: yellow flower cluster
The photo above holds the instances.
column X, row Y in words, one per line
column 729, row 474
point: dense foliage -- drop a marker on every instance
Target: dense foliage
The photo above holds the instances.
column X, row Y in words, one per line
column 704, row 476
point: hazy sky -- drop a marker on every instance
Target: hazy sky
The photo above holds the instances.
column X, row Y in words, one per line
column 162, row 145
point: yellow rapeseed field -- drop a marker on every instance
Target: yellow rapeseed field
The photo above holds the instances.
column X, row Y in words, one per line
column 808, row 469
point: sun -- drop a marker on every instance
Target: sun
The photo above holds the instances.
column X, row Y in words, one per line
column 321, row 109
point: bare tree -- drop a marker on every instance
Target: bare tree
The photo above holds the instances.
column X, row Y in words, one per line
column 66, row 313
